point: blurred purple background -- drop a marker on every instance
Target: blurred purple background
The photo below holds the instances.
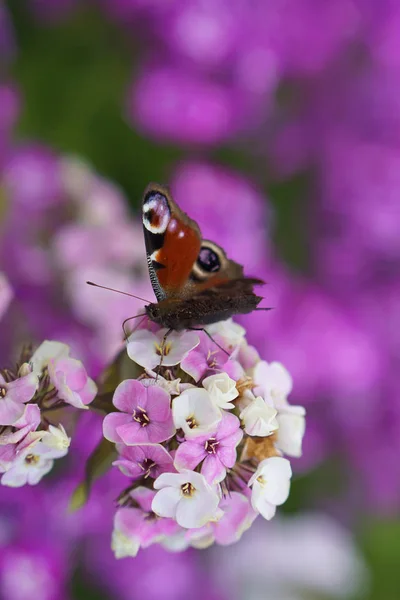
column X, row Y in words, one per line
column 277, row 125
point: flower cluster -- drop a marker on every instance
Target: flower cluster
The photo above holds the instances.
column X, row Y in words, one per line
column 201, row 433
column 33, row 397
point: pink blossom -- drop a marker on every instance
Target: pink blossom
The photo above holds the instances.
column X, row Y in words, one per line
column 144, row 460
column 71, row 381
column 237, row 517
column 139, row 527
column 31, row 463
column 29, row 421
column 13, row 396
column 206, row 358
column 145, row 415
column 216, row 450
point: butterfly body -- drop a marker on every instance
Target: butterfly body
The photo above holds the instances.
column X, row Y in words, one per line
column 193, row 280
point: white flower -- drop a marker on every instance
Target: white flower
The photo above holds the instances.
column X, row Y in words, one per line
column 123, row 545
column 185, row 497
column 31, row 465
column 259, row 418
column 56, row 437
column 231, row 333
column 46, row 352
column 194, row 412
column 222, row 390
column 272, row 381
column 271, row 484
column 292, row 425
column 144, row 347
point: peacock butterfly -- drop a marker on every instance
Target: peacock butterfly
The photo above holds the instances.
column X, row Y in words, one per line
column 194, row 282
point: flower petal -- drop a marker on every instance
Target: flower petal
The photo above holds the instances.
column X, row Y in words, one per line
column 112, row 422
column 23, row 389
column 166, row 501
column 213, row 469
column 129, row 395
column 189, row 455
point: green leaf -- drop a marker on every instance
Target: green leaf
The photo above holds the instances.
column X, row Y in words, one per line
column 97, row 465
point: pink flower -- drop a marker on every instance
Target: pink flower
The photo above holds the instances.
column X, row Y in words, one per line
column 145, row 415
column 217, row 450
column 72, row 382
column 206, row 358
column 144, row 460
column 237, row 517
column 144, row 347
column 28, row 422
column 13, row 396
column 140, row 527
column 31, row 463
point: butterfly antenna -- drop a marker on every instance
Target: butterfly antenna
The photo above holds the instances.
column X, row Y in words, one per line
column 103, row 287
column 262, row 308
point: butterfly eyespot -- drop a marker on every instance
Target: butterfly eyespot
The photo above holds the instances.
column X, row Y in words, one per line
column 156, row 212
column 208, row 260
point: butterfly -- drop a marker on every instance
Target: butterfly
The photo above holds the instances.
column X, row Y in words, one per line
column 195, row 283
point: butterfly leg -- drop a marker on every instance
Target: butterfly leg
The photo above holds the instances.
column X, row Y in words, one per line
column 162, row 349
column 210, row 336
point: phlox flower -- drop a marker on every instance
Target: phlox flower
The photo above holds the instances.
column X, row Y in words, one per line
column 292, row 425
column 270, row 485
column 139, row 527
column 185, row 497
column 237, row 516
column 274, row 383
column 14, row 395
column 217, row 450
column 222, row 390
column 228, row 333
column 145, row 415
column 144, row 347
column 203, row 359
column 143, row 460
column 31, row 464
column 72, row 382
column 68, row 375
column 259, row 418
column 194, row 412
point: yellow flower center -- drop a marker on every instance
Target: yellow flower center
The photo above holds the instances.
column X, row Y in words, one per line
column 141, row 416
column 192, row 423
column 32, row 459
column 187, row 490
column 167, row 349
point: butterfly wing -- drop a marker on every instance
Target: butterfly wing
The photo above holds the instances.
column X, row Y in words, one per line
column 180, row 263
column 173, row 243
